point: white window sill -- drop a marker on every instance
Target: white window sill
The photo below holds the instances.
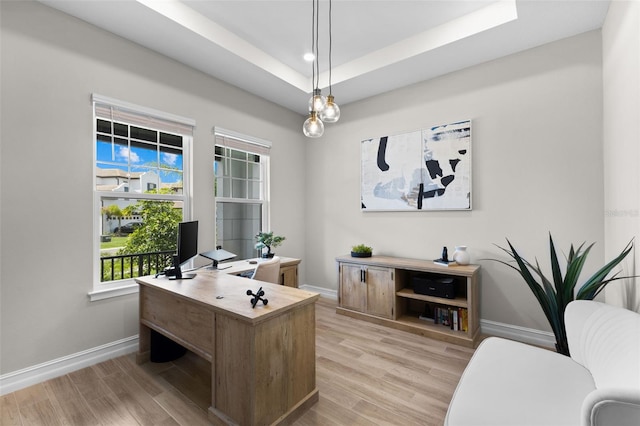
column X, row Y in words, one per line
column 129, row 288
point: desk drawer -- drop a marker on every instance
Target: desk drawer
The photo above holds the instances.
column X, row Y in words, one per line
column 187, row 322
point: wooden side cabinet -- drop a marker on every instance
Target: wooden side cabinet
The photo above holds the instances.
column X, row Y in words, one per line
column 367, row 289
column 380, row 289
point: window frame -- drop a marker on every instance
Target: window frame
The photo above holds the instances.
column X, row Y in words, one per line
column 252, row 145
column 146, row 118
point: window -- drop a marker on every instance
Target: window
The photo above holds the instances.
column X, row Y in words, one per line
column 141, row 188
column 241, row 169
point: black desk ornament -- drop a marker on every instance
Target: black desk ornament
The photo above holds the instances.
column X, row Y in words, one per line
column 256, row 297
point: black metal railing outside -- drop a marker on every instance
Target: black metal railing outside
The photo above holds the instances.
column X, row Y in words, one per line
column 124, row 266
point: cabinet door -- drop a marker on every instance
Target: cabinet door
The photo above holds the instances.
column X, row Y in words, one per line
column 353, row 290
column 380, row 291
column 289, row 276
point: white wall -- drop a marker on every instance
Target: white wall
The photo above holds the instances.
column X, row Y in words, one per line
column 621, row 126
column 51, row 64
column 537, row 168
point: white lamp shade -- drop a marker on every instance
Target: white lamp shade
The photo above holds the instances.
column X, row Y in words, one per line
column 313, row 126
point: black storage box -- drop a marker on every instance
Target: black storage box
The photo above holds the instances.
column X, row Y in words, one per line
column 434, row 286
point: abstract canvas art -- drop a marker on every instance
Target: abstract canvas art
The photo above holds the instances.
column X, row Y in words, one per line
column 427, row 169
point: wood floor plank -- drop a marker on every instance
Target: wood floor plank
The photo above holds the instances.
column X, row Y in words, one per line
column 9, row 412
column 328, row 412
column 31, row 395
column 107, row 368
column 367, row 374
column 139, row 403
column 197, row 390
column 381, row 415
column 41, row 413
column 195, row 367
column 386, row 395
column 68, row 402
column 111, row 411
column 182, row 409
column 89, row 384
column 143, row 374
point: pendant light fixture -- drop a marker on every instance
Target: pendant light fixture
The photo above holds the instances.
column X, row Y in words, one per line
column 331, row 111
column 313, row 126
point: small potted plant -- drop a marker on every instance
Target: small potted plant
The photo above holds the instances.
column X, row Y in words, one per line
column 361, row 250
column 268, row 240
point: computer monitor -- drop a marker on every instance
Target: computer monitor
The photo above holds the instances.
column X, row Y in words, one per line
column 187, row 249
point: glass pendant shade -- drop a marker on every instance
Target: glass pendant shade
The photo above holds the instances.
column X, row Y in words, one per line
column 331, row 112
column 313, row 127
column 317, row 102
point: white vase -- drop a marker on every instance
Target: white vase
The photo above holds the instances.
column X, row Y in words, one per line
column 461, row 255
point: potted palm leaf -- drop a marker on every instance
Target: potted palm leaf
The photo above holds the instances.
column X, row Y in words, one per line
column 554, row 294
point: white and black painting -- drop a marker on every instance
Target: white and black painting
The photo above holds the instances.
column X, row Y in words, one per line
column 427, row 169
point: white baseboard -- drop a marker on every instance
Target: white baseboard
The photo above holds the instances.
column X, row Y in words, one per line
column 20, row 379
column 521, row 334
column 324, row 292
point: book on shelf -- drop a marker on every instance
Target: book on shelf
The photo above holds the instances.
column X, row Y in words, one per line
column 464, row 323
column 443, row 262
column 455, row 318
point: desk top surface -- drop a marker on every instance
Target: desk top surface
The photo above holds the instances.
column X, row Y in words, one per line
column 226, row 293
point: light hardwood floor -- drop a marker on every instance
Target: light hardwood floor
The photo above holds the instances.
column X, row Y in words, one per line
column 367, row 375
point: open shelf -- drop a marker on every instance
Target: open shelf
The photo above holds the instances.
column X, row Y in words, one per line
column 460, row 302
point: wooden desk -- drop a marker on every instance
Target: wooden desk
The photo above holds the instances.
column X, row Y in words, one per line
column 262, row 360
column 288, row 269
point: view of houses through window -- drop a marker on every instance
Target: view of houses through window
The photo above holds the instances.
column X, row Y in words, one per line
column 140, row 194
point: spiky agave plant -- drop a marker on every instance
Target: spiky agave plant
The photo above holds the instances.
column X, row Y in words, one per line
column 554, row 295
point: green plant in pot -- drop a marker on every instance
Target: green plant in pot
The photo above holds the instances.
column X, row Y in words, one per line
column 555, row 293
column 268, row 240
column 361, row 250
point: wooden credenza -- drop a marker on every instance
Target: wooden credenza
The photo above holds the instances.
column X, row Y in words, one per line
column 262, row 360
column 379, row 289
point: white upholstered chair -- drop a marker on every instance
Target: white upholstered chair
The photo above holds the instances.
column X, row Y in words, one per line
column 268, row 270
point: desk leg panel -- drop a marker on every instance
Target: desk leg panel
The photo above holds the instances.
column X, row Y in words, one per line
column 144, row 344
column 233, row 394
column 144, row 333
column 265, row 373
column 285, row 363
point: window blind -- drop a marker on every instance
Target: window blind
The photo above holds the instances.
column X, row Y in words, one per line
column 115, row 110
column 230, row 139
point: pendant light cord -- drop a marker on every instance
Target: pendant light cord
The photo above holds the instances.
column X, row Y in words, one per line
column 313, row 46
column 317, row 53
column 330, row 46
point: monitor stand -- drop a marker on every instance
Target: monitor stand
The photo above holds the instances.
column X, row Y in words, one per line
column 183, row 277
column 216, row 256
column 175, row 273
column 217, row 267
